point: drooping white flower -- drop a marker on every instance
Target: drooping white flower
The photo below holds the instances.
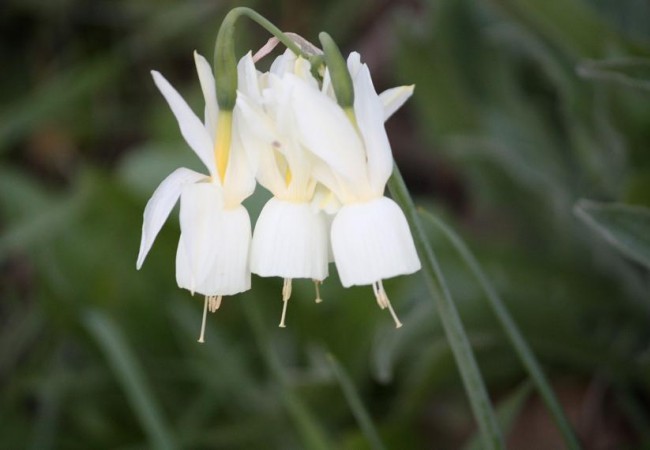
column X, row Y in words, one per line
column 371, row 240
column 291, row 237
column 213, row 251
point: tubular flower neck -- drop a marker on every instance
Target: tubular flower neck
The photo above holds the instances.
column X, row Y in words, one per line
column 222, row 143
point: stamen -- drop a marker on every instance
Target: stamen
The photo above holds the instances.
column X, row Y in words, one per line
column 205, row 313
column 215, row 302
column 378, row 295
column 386, row 302
column 286, row 293
column 317, row 284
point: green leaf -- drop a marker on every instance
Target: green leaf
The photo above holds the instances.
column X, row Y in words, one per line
column 44, row 225
column 522, row 349
column 130, row 375
column 625, row 227
column 629, row 72
column 312, row 433
column 507, row 411
column 356, row 405
column 451, row 322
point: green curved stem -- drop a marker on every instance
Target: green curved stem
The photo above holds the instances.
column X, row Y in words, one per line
column 225, row 61
column 474, row 386
column 518, row 342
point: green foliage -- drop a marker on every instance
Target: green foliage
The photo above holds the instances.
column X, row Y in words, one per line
column 521, row 109
column 625, row 227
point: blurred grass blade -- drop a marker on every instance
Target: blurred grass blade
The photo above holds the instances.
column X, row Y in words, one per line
column 458, row 341
column 356, row 405
column 43, row 225
column 57, row 96
column 625, row 227
column 629, row 72
column 131, row 377
column 522, row 349
column 572, row 25
column 507, row 411
column 312, row 433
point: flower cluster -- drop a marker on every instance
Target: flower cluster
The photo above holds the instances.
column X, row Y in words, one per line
column 325, row 165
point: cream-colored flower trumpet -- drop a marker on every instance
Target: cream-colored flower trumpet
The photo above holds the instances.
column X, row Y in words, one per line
column 371, row 240
column 213, row 250
column 291, row 237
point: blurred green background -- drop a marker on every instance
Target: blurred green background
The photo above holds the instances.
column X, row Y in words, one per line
column 522, row 108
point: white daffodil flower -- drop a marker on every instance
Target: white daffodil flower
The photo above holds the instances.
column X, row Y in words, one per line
column 291, row 237
column 213, row 250
column 371, row 240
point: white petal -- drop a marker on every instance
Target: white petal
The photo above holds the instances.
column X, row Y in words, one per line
column 201, row 210
column 226, row 270
column 394, row 98
column 325, row 200
column 326, row 131
column 192, row 129
column 206, row 78
column 371, row 242
column 290, row 241
column 229, row 271
column 302, row 69
column 160, row 205
column 283, row 63
column 370, row 119
column 247, row 77
column 184, row 277
column 258, row 134
column 239, row 182
column 354, row 64
column 327, row 87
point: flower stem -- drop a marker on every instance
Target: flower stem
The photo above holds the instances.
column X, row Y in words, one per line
column 451, row 322
column 225, row 61
column 518, row 342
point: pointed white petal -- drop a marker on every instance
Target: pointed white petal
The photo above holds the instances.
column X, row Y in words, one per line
column 206, row 78
column 160, row 205
column 283, row 63
column 370, row 119
column 326, row 131
column 247, row 77
column 394, row 98
column 354, row 64
column 290, row 241
column 302, row 69
column 371, row 242
column 239, row 182
column 192, row 129
column 258, row 135
column 327, row 87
